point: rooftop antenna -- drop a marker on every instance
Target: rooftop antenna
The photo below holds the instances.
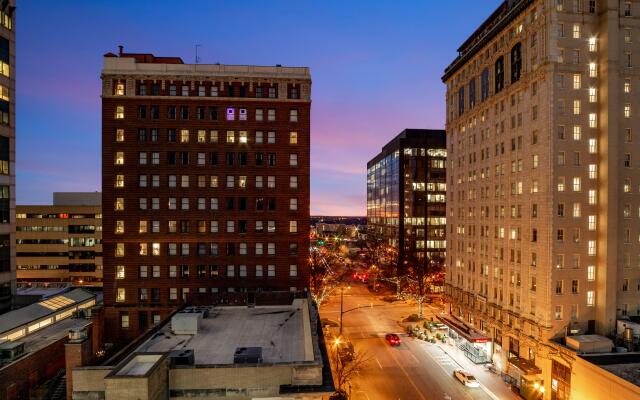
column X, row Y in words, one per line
column 197, row 57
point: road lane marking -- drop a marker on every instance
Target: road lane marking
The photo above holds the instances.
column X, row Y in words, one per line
column 415, row 358
column 406, row 374
column 378, row 361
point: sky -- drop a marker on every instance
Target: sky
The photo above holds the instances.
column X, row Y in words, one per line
column 376, row 68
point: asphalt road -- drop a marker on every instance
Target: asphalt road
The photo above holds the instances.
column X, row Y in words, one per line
column 415, row 370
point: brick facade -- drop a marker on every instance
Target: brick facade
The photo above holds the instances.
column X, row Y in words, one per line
column 122, row 81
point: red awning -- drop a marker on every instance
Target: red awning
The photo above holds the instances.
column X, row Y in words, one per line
column 463, row 329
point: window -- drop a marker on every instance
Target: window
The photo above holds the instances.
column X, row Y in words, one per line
column 271, row 137
column 271, row 114
column 293, row 204
column 293, row 160
column 592, row 146
column 121, row 295
column 271, row 182
column 231, row 271
column 627, row 160
column 591, row 246
column 576, row 81
column 259, row 114
column 576, row 184
column 242, row 138
column 592, row 197
column 627, row 85
column 576, row 31
column 293, row 270
column 576, row 107
column 124, row 316
column 561, row 184
column 592, row 222
column 574, row 286
column 293, row 182
column 293, row 116
column 499, row 75
column 271, row 248
column 592, row 44
column 271, row 270
column 272, row 92
column 593, row 121
column 558, row 312
column 119, row 112
column 593, row 95
column 627, row 110
column 142, row 181
column 120, row 272
column 590, row 298
column 593, row 171
column 293, row 137
column 593, row 70
column 627, row 9
column 293, row 226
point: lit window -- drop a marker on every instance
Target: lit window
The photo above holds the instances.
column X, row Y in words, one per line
column 576, row 31
column 231, row 226
column 119, row 250
column 142, row 227
column 592, row 222
column 271, row 182
column 293, row 137
column 576, row 184
column 593, row 120
column 627, row 110
column 120, row 272
column 242, row 138
column 231, row 114
column 576, row 81
column 119, row 205
column 119, row 112
column 593, row 147
column 577, row 210
column 293, row 270
column 593, row 44
column 119, row 181
column 120, row 89
column 293, row 226
column 592, row 248
column 121, row 295
column 242, row 114
column 577, row 132
column 561, row 184
column 626, row 186
column 593, row 70
column 592, row 171
column 592, row 197
column 590, row 298
column 231, row 137
column 155, row 249
column 119, row 135
column 627, row 85
column 591, row 273
column 593, row 95
column 184, row 136
column 119, row 158
column 119, row 227
column 242, row 181
column 576, row 107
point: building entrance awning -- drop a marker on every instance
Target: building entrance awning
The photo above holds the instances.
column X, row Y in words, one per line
column 463, row 330
column 527, row 367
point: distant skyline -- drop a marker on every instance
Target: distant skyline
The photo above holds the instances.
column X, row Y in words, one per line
column 376, row 69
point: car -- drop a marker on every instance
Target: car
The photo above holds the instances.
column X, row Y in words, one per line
column 392, row 339
column 465, row 378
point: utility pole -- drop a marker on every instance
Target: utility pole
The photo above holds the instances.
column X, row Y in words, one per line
column 341, row 304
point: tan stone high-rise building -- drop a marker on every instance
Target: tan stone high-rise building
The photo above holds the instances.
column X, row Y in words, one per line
column 543, row 174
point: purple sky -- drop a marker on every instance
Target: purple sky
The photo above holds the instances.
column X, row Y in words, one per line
column 375, row 65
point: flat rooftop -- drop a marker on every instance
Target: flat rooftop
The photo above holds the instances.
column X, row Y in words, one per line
column 279, row 330
column 624, row 365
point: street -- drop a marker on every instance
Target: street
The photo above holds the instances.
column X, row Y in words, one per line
column 413, row 370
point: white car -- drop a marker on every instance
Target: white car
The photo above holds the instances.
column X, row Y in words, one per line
column 465, row 378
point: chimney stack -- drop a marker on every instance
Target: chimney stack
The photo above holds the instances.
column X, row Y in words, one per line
column 120, row 48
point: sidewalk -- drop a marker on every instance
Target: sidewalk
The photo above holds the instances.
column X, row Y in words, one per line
column 490, row 381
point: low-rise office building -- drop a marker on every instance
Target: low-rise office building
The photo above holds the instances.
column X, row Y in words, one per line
column 221, row 352
column 61, row 242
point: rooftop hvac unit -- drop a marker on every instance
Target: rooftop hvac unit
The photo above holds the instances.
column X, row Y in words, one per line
column 77, row 334
column 10, row 351
column 182, row 357
column 247, row 355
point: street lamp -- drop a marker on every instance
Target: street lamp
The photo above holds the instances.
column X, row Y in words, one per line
column 341, row 306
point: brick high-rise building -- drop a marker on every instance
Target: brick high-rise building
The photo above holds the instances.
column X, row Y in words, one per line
column 543, row 179
column 205, row 183
column 7, row 153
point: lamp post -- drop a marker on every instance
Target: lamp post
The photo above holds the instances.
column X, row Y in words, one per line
column 341, row 306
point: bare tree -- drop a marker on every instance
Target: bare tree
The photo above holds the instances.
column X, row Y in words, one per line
column 322, row 277
column 386, row 268
column 346, row 370
column 422, row 275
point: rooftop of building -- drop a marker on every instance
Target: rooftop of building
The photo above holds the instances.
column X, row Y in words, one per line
column 505, row 13
column 623, row 365
column 77, row 199
column 146, row 63
column 42, row 290
column 430, row 138
column 282, row 331
column 24, row 322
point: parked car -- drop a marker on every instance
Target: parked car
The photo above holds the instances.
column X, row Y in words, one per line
column 465, row 378
column 345, row 352
column 392, row 339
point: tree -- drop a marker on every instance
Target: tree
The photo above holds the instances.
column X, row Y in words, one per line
column 422, row 275
column 322, row 277
column 386, row 268
column 344, row 372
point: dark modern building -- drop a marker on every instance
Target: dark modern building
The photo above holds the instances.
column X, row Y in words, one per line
column 205, row 184
column 7, row 153
column 406, row 187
